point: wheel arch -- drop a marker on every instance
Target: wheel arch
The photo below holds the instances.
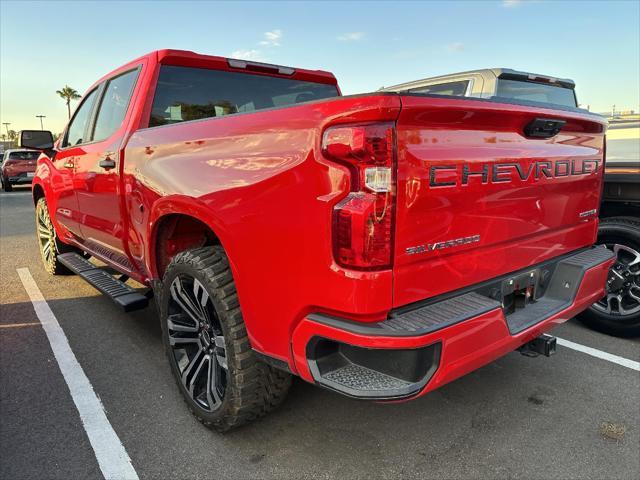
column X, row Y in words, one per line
column 37, row 192
column 619, row 209
column 178, row 224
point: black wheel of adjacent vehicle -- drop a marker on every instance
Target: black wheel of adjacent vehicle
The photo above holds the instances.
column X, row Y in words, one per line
column 220, row 377
column 48, row 241
column 618, row 313
column 6, row 185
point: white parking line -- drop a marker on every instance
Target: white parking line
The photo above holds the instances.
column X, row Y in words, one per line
column 110, row 453
column 625, row 362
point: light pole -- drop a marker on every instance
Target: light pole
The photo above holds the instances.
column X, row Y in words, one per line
column 6, row 125
column 41, row 117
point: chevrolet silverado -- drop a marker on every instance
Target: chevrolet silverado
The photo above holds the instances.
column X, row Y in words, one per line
column 378, row 245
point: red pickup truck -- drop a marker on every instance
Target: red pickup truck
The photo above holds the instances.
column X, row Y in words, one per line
column 378, row 245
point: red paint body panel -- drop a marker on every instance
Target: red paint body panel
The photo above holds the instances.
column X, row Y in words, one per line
column 520, row 222
column 270, row 205
column 13, row 168
column 259, row 182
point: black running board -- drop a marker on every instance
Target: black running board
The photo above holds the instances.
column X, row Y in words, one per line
column 123, row 295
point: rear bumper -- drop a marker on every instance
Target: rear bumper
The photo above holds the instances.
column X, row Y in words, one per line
column 422, row 347
column 17, row 178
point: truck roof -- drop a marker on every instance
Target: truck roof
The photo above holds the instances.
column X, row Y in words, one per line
column 193, row 59
column 491, row 73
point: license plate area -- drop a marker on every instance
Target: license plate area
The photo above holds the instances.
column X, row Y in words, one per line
column 31, row 174
column 520, row 291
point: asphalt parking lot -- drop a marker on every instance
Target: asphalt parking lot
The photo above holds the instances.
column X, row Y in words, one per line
column 568, row 416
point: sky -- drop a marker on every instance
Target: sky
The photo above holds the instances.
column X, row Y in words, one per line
column 47, row 45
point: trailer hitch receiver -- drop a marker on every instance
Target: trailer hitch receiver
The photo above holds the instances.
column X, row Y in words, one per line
column 542, row 345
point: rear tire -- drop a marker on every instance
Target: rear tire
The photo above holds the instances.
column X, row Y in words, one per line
column 619, row 312
column 220, row 377
column 6, row 185
column 50, row 245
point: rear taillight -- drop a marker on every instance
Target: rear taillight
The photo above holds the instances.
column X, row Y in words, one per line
column 363, row 220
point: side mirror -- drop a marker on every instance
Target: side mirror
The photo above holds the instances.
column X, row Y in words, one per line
column 36, row 139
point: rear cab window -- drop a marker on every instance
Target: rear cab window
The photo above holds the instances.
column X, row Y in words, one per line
column 535, row 92
column 191, row 93
column 29, row 155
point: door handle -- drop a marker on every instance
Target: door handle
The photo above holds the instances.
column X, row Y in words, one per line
column 107, row 162
column 68, row 163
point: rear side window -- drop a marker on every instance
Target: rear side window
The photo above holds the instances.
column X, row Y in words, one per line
column 77, row 127
column 24, row 155
column 536, row 92
column 113, row 106
column 186, row 93
column 450, row 88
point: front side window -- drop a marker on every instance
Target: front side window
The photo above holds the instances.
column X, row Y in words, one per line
column 450, row 88
column 77, row 127
column 187, row 93
column 114, row 104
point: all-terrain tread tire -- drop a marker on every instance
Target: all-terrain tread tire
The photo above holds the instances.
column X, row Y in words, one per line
column 253, row 387
column 627, row 230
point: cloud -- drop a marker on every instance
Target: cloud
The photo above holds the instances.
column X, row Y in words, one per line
column 511, row 3
column 351, row 37
column 252, row 54
column 455, row 47
column 272, row 38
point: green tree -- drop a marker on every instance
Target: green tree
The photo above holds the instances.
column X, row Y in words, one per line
column 68, row 94
column 13, row 135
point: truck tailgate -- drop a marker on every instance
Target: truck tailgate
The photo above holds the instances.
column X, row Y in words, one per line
column 477, row 198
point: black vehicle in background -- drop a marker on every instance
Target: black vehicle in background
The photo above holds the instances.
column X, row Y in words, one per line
column 619, row 312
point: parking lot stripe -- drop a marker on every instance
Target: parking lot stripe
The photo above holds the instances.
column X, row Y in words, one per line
column 112, row 458
column 625, row 362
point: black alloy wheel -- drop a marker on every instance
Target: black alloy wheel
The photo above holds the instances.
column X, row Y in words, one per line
column 49, row 244
column 197, row 342
column 623, row 285
column 618, row 312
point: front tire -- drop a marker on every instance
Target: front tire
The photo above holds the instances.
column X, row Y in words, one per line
column 219, row 376
column 618, row 313
column 50, row 245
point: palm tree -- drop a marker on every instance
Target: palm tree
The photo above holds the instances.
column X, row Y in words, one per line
column 13, row 135
column 68, row 94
